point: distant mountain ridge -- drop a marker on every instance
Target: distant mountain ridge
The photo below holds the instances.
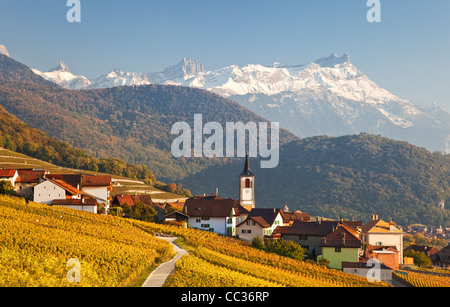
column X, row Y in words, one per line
column 351, row 176
column 329, row 96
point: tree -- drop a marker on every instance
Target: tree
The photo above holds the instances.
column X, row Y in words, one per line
column 285, row 248
column 7, row 188
column 258, row 243
column 140, row 211
column 420, row 258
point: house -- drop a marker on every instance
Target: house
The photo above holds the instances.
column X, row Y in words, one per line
column 9, row 175
column 341, row 245
column 131, row 200
column 295, row 216
column 427, row 250
column 310, row 234
column 260, row 223
column 178, row 217
column 380, row 233
column 387, row 255
column 98, row 186
column 50, row 190
column 441, row 259
column 89, row 205
column 364, row 269
column 214, row 214
column 27, row 179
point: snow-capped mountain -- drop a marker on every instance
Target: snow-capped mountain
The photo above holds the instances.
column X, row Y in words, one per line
column 61, row 75
column 327, row 97
column 3, row 50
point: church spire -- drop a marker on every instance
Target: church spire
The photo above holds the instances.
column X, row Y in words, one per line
column 247, row 171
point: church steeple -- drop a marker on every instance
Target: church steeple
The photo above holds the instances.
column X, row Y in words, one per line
column 247, row 171
column 247, row 186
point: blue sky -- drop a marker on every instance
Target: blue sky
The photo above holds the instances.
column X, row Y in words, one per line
column 407, row 53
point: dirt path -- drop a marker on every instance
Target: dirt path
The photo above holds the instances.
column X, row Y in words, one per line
column 158, row 277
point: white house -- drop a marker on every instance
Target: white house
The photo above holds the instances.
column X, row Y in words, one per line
column 260, row 223
column 89, row 205
column 214, row 214
column 50, row 190
column 99, row 187
column 380, row 233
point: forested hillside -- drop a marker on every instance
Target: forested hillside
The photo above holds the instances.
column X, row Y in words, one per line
column 352, row 176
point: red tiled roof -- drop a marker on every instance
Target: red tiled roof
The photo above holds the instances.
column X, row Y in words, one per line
column 211, row 206
column 7, row 173
column 95, row 181
column 30, row 176
column 66, row 186
column 343, row 236
column 131, row 200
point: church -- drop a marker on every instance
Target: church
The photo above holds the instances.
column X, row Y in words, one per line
column 246, row 187
column 216, row 214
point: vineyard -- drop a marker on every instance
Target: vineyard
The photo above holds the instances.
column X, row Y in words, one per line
column 36, row 242
column 424, row 280
column 217, row 261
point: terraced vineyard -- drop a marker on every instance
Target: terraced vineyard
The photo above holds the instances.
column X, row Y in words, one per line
column 424, row 280
column 212, row 257
column 37, row 241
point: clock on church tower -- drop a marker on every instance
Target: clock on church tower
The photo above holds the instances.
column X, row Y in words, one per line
column 247, row 187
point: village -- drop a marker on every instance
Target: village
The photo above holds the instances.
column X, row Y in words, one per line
column 347, row 245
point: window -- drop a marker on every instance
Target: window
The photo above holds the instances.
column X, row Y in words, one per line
column 337, row 249
column 198, row 220
column 205, row 218
column 248, row 183
column 205, row 225
column 303, row 238
column 229, row 221
column 379, row 244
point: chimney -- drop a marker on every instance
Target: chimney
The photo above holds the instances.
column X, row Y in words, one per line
column 341, row 219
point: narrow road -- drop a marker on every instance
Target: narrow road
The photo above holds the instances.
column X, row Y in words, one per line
column 158, row 277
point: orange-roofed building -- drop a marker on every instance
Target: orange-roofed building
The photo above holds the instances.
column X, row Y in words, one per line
column 380, row 233
column 9, row 175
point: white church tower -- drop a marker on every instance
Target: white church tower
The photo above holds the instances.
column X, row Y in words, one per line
column 247, row 187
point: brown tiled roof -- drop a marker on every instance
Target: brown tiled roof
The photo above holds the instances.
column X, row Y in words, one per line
column 71, row 179
column 211, row 206
column 7, row 173
column 343, row 236
column 131, row 200
column 263, row 216
column 95, row 181
column 289, row 216
column 30, row 176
